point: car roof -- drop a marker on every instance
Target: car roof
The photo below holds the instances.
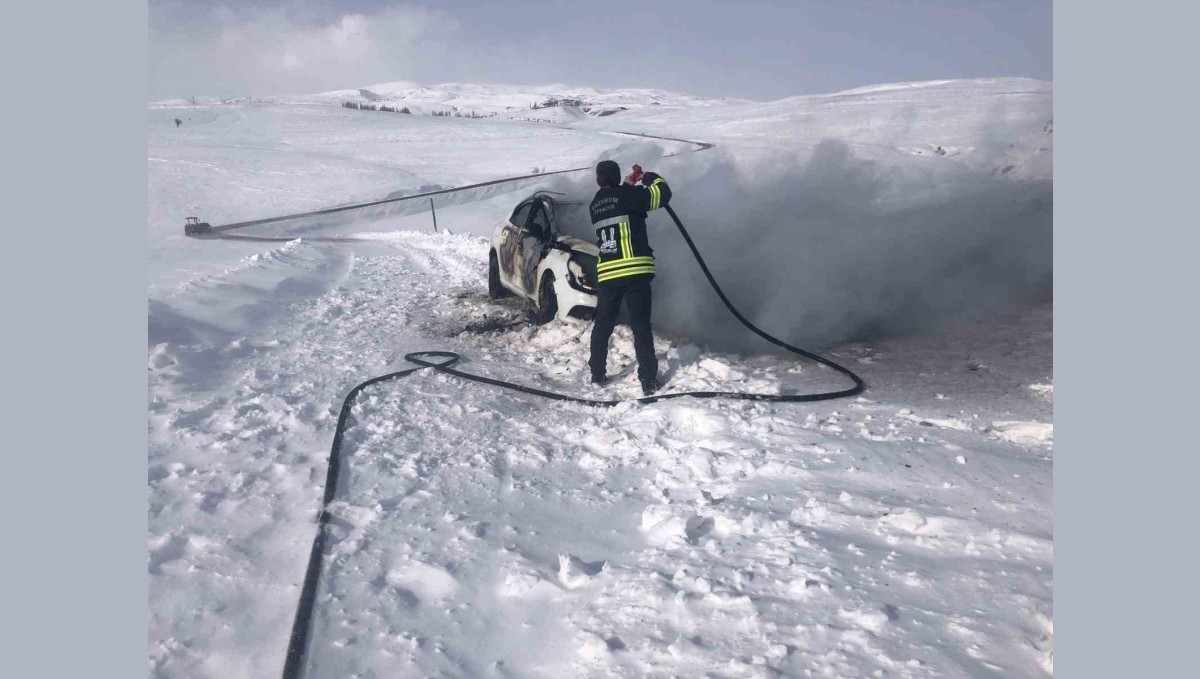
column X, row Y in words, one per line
column 558, row 197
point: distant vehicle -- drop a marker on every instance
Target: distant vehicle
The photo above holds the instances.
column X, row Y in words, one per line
column 194, row 227
column 537, row 254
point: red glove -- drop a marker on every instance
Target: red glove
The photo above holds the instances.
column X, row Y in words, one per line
column 633, row 177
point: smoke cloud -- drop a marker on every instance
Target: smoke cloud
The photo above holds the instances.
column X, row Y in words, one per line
column 832, row 247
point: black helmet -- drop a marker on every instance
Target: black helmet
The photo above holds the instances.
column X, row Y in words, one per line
column 608, row 173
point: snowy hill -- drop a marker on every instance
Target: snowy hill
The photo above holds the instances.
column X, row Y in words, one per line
column 479, row 532
column 993, row 123
column 971, row 121
column 514, row 101
column 510, row 101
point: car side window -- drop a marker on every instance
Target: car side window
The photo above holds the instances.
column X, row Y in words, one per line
column 540, row 226
column 521, row 214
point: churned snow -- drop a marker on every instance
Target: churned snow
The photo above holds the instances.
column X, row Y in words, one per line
column 483, row 533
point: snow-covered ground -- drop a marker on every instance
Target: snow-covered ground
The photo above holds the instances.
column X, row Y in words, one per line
column 485, row 533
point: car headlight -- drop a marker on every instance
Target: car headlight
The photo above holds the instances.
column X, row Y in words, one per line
column 582, row 272
column 576, row 269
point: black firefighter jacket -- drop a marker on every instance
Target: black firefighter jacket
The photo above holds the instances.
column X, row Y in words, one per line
column 619, row 216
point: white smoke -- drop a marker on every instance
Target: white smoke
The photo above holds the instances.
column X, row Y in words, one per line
column 833, row 247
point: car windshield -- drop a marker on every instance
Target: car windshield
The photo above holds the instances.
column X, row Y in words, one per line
column 573, row 219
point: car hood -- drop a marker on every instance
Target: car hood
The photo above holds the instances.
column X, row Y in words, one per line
column 579, row 245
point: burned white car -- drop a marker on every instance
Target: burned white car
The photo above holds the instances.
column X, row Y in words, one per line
column 538, row 254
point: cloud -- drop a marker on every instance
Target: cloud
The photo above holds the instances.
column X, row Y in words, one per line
column 292, row 47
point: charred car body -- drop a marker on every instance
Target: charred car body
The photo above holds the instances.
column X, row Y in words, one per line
column 537, row 254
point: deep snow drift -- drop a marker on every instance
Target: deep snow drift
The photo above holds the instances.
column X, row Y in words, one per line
column 483, row 533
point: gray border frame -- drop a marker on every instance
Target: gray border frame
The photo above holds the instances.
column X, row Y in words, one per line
column 1125, row 252
column 1125, row 323
column 74, row 561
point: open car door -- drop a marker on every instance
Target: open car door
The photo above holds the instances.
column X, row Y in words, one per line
column 534, row 244
column 509, row 252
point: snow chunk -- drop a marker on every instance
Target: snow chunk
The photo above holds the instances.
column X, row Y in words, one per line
column 662, row 525
column 908, row 520
column 721, row 370
column 1046, row 390
column 943, row 422
column 574, row 572
column 871, row 620
column 1025, row 433
column 524, row 582
column 814, row 513
column 593, row 648
column 426, row 581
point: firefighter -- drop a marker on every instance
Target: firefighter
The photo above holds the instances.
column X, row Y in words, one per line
column 626, row 265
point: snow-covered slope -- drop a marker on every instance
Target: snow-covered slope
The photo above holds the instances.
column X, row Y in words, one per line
column 509, row 101
column 968, row 121
column 484, row 533
column 495, row 98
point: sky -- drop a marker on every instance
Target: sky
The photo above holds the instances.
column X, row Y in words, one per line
column 755, row 50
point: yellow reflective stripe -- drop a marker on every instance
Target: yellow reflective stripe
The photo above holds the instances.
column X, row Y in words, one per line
column 658, row 181
column 655, row 197
column 626, row 245
column 615, row 263
column 624, row 272
column 609, row 272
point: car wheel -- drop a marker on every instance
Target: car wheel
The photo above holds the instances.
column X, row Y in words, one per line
column 547, row 301
column 495, row 289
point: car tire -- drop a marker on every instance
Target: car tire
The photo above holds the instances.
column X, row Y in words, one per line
column 547, row 307
column 496, row 290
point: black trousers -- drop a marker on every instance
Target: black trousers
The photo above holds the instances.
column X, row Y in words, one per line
column 636, row 294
